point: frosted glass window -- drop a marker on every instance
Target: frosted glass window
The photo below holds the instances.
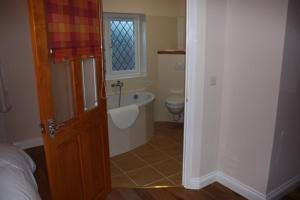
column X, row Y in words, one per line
column 89, row 83
column 62, row 91
column 123, row 44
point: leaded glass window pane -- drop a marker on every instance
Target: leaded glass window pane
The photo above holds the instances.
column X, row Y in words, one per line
column 123, row 44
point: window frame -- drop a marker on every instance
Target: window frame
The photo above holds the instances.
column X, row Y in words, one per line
column 140, row 46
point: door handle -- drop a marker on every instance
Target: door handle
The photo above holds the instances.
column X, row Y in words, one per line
column 52, row 127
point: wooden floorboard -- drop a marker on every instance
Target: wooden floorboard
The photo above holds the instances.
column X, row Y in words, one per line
column 215, row 191
column 38, row 156
column 211, row 192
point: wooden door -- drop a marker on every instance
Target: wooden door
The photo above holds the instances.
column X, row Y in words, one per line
column 77, row 154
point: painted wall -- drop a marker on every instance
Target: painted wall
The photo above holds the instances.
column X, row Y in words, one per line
column 285, row 163
column 165, row 8
column 254, row 41
column 170, row 81
column 214, row 59
column 22, row 121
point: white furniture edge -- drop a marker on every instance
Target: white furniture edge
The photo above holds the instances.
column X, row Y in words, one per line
column 243, row 189
column 25, row 144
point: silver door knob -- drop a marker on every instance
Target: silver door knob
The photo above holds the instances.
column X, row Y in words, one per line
column 52, row 127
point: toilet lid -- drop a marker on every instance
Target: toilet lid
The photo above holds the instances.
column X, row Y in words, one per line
column 175, row 99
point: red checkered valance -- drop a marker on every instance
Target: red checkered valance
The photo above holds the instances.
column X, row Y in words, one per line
column 73, row 28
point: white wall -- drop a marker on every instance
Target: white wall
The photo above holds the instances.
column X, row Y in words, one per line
column 170, row 81
column 165, row 8
column 22, row 121
column 255, row 31
column 214, row 59
column 285, row 163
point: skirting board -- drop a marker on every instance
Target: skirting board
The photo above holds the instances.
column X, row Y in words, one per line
column 196, row 183
column 25, row 144
column 283, row 189
column 241, row 188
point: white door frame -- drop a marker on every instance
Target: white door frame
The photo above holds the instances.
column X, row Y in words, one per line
column 194, row 89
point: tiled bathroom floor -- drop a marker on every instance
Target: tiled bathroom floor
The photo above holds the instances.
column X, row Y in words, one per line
column 157, row 163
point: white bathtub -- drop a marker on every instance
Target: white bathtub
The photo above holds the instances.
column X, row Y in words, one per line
column 123, row 140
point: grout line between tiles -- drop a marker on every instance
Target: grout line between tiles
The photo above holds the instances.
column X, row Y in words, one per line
column 155, row 170
column 151, row 165
column 168, row 178
column 167, row 155
column 125, row 173
column 158, row 173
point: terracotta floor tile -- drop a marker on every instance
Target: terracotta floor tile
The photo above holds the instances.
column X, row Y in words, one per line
column 176, row 179
column 163, row 153
column 114, row 170
column 147, row 148
column 144, row 176
column 122, row 181
column 177, row 138
column 154, row 157
column 173, row 150
column 178, row 157
column 122, row 156
column 168, row 167
column 162, row 142
column 130, row 163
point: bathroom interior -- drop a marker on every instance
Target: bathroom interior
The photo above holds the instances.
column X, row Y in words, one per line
column 145, row 78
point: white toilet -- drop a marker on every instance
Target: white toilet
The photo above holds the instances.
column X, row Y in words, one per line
column 175, row 105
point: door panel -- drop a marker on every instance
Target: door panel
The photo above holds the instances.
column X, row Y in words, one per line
column 68, row 154
column 93, row 169
column 73, row 94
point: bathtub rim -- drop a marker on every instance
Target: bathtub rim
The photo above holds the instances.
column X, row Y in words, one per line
column 145, row 102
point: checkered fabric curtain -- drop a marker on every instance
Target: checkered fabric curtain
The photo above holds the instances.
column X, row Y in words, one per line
column 73, row 29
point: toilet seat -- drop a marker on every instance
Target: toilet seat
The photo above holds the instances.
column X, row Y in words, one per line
column 175, row 100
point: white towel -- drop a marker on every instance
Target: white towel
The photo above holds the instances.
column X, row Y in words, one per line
column 125, row 116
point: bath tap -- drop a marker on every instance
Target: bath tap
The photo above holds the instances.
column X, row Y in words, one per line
column 117, row 84
column 120, row 85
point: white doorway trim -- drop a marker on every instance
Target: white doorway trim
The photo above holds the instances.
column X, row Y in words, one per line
column 194, row 90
